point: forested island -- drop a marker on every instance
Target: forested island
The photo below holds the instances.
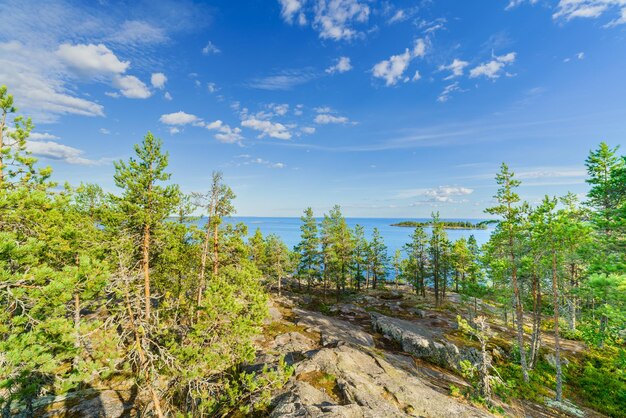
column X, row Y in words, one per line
column 444, row 223
column 115, row 304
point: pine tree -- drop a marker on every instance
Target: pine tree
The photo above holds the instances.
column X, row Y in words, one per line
column 507, row 236
column 379, row 259
column 436, row 250
column 144, row 201
column 276, row 259
column 417, row 253
column 309, row 249
column 257, row 249
column 359, row 256
column 461, row 261
column 218, row 204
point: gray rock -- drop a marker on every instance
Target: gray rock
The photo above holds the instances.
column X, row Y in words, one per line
column 422, row 343
column 370, row 388
column 333, row 330
column 89, row 404
column 292, row 342
column 303, row 400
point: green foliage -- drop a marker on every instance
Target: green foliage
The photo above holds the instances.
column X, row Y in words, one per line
column 309, row 249
column 76, row 266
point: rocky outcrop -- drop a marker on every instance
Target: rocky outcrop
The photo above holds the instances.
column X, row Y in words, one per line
column 369, row 387
column 88, row 403
column 333, row 330
column 422, row 343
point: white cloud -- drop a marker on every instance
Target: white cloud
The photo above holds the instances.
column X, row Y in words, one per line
column 112, row 94
column 398, row 16
column 225, row 133
column 267, row 128
column 132, row 87
column 341, row 66
column 137, row 32
column 91, row 59
column 441, row 194
column 280, row 109
column 570, row 9
column 419, row 49
column 291, row 9
column 284, row 80
column 493, row 69
column 579, row 56
column 447, row 193
column 174, row 130
column 456, row 67
column 55, row 151
column 325, row 119
column 158, row 80
column 210, row 48
column 104, row 131
column 167, row 96
column 620, row 20
column 178, row 118
column 211, row 87
column 417, row 76
column 260, row 161
column 514, row 3
column 308, row 130
column 447, row 91
column 334, row 19
column 41, row 90
column 36, row 136
column 392, row 70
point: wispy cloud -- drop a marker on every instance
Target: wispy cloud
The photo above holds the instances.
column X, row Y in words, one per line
column 338, row 20
column 284, row 80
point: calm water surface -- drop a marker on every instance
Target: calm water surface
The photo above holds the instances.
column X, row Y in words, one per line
column 288, row 229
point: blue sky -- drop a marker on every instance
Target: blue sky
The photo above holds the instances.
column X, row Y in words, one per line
column 390, row 109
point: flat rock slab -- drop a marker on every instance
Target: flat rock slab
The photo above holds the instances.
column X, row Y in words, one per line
column 370, row 387
column 293, row 342
column 333, row 330
column 104, row 404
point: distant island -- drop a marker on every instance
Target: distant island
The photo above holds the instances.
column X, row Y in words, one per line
column 446, row 224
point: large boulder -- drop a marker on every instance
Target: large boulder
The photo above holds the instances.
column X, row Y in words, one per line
column 422, row 343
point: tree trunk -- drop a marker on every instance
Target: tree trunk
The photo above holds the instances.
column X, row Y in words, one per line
column 444, row 284
column 557, row 346
column 146, row 268
column 142, row 358
column 203, row 260
column 519, row 311
column 436, row 283
column 4, row 117
column 484, row 364
column 573, row 302
column 536, row 336
column 422, row 283
column 76, row 329
column 215, row 248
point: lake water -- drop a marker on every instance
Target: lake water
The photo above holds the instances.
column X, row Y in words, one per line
column 288, row 229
